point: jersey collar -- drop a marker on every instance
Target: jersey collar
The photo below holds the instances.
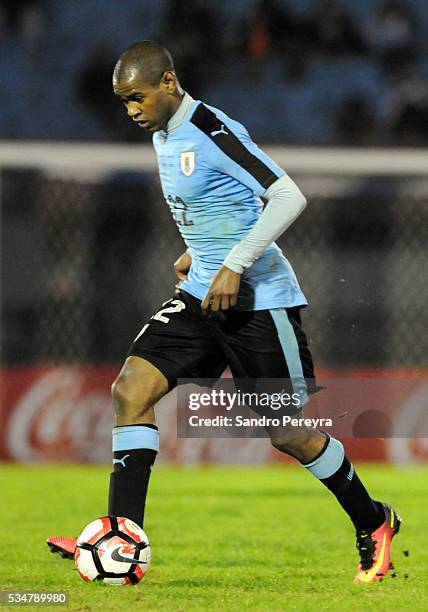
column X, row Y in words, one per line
column 181, row 114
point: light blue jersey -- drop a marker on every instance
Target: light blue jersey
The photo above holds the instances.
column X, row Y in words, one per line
column 212, row 175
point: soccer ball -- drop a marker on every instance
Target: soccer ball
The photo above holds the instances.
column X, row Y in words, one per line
column 113, row 550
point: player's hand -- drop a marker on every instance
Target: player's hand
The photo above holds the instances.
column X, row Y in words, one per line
column 182, row 267
column 223, row 291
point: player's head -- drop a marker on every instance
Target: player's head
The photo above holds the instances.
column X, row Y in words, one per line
column 145, row 80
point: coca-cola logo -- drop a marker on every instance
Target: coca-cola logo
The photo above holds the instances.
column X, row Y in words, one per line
column 56, row 419
column 65, row 414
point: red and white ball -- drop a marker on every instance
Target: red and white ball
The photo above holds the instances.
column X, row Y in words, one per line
column 113, row 550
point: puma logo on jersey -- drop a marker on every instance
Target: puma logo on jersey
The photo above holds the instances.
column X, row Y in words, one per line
column 220, row 131
column 121, row 461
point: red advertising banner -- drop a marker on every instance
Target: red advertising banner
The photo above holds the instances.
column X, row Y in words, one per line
column 64, row 414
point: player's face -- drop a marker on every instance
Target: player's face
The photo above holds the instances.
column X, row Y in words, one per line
column 150, row 106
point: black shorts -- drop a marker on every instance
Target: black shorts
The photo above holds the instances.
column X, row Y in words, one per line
column 261, row 344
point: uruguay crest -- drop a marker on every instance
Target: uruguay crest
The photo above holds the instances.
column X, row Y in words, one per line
column 187, row 162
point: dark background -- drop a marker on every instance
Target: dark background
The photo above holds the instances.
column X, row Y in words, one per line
column 87, row 258
column 295, row 71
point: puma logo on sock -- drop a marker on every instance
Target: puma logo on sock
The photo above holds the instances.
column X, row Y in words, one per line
column 121, row 461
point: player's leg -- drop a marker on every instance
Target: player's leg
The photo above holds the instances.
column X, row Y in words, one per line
column 135, row 391
column 174, row 344
column 333, row 469
column 135, row 443
column 376, row 523
column 272, row 344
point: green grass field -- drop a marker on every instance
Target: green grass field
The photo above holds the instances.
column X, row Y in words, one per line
column 269, row 538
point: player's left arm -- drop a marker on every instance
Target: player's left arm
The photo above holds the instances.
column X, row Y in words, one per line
column 233, row 152
column 284, row 204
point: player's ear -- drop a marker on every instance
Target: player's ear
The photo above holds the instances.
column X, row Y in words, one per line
column 169, row 81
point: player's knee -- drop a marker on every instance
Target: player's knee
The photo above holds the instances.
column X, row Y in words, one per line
column 129, row 401
column 137, row 388
column 295, row 442
column 122, row 394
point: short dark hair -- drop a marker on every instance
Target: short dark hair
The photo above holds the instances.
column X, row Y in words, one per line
column 146, row 60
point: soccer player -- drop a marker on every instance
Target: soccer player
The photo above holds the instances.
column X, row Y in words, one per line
column 238, row 301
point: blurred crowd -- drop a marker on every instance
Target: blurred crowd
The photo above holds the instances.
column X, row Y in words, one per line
column 308, row 71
